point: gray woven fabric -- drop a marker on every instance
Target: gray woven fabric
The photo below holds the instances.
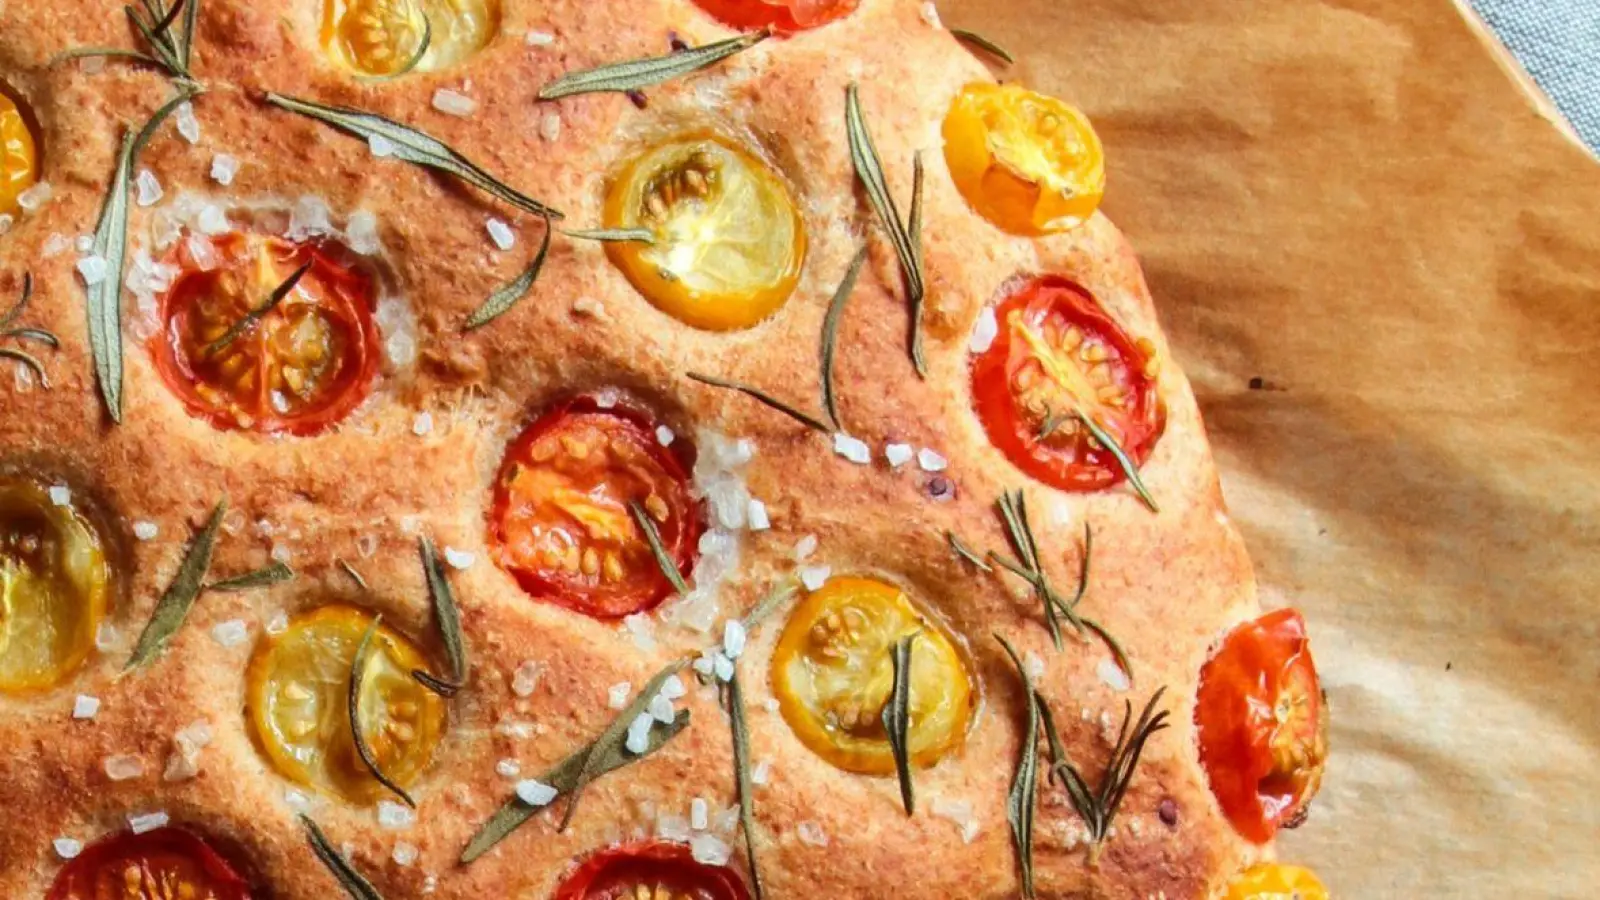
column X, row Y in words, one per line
column 1558, row 42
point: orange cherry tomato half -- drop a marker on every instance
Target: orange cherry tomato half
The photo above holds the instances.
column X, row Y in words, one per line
column 157, row 865
column 1058, row 354
column 657, row 870
column 1263, row 725
column 782, row 16
column 297, row 368
column 19, row 155
column 561, row 523
column 1272, row 881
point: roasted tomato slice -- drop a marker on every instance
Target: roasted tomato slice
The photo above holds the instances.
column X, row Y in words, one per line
column 1263, row 724
column 782, row 16
column 54, row 585
column 729, row 241
column 386, row 37
column 1057, row 353
column 298, row 368
column 164, row 864
column 1272, row 881
column 1028, row 163
column 19, row 157
column 653, row 870
column 833, row 674
column 298, row 695
column 561, row 523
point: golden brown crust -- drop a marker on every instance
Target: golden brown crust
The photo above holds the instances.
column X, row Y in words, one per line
column 1167, row 584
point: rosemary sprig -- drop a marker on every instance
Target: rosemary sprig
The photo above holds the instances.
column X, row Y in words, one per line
column 830, row 334
column 805, row 419
column 413, row 146
column 1124, row 462
column 354, row 883
column 741, row 771
column 276, row 573
column 30, row 361
column 641, row 73
column 1098, row 806
column 905, row 239
column 174, row 605
column 606, row 754
column 775, row 598
column 896, row 718
column 613, row 235
column 168, row 48
column 1023, row 797
column 507, row 295
column 982, row 43
column 22, row 333
column 967, row 553
column 354, row 575
column 669, row 566
column 449, row 616
column 250, row 318
column 358, row 671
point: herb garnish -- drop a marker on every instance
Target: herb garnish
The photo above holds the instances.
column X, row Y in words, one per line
column 413, row 146
column 967, row 553
column 449, row 616
column 1125, row 462
column 1020, row 802
column 276, row 573
column 1097, row 808
column 174, row 605
column 353, row 882
column 907, row 240
column 652, row 535
column 23, row 333
column 734, row 699
column 982, row 43
column 170, row 50
column 606, row 754
column 896, row 718
column 507, row 295
column 354, row 575
column 640, row 73
column 250, row 318
column 830, row 333
column 613, row 235
column 358, row 671
column 803, row 418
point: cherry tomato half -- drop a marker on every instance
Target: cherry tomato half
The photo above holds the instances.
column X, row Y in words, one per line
column 1028, row 163
column 385, row 37
column 299, row 368
column 164, row 864
column 54, row 586
column 1058, row 353
column 560, row 521
column 19, row 156
column 833, row 674
column 652, row 870
column 729, row 241
column 1272, row 881
column 782, row 16
column 298, row 696
column 1263, row 724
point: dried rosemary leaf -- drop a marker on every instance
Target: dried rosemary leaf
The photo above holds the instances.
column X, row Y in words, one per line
column 830, row 334
column 17, row 309
column 250, row 318
column 669, row 566
column 641, row 73
column 174, row 605
column 276, row 573
column 354, row 883
column 1021, row 801
column 613, row 235
column 358, row 670
column 804, row 419
column 896, row 718
column 449, row 617
column 507, row 295
column 1098, row 806
column 967, row 553
column 1124, row 461
column 983, row 43
column 741, row 773
column 354, row 575
column 29, row 360
column 413, row 146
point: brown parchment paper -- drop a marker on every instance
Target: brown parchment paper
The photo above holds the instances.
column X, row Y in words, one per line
column 1358, row 202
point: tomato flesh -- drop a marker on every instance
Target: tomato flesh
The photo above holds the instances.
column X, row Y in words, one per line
column 833, row 675
column 1263, row 724
column 164, row 864
column 298, row 696
column 560, row 519
column 19, row 156
column 729, row 242
column 782, row 16
column 1057, row 353
column 652, row 870
column 54, row 586
column 1028, row 163
column 384, row 37
column 299, row 368
column 1273, row 881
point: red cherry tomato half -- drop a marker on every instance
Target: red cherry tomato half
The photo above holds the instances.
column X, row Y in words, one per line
column 782, row 16
column 1057, row 354
column 298, row 368
column 1263, row 725
column 657, row 870
column 157, row 865
column 560, row 520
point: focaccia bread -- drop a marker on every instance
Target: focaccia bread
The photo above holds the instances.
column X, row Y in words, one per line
column 726, row 441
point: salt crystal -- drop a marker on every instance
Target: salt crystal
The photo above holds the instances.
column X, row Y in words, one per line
column 1112, row 675
column 733, row 638
column 514, row 730
column 60, row 495
column 537, row 38
column 278, row 622
column 959, row 812
column 194, row 737
column 661, row 710
column 525, row 679
column 762, row 772
column 710, row 850
column 853, row 449
column 664, row 436
column 202, row 252
column 459, row 559
column 404, row 854
column 430, row 884
column 617, row 696
column 535, row 793
column 984, row 332
column 310, row 217
column 673, row 828
column 805, row 546
column 181, row 767
column 1033, row 665
column 362, row 233
column 422, row 424
column 280, row 553
column 639, row 733
column 188, row 125
column 811, row 833
column 898, row 454
column 640, row 627
column 223, row 168
column 930, row 14
column 931, row 461
column 814, row 577
column 704, row 665
column 148, row 822
column 453, row 103
column 67, row 848
column 727, row 820
column 380, row 146
column 122, row 767
column 550, row 127
column 723, row 667
column 55, row 245
column 770, row 704
column 106, row 637
column 84, row 243
column 756, row 516
column 93, row 269
column 673, row 688
column 85, row 707
column 36, row 196
column 699, row 813
column 149, row 189
column 607, row 398
column 508, row 768
column 231, row 633
column 395, row 816
column 212, row 221
column 501, row 234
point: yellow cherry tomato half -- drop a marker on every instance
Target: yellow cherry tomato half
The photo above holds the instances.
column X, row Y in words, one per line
column 833, row 674
column 298, row 688
column 19, row 155
column 1273, row 881
column 54, row 585
column 1028, row 163
column 390, row 37
column 729, row 240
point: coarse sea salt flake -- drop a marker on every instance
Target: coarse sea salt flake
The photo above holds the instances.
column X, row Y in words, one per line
column 459, row 559
column 664, row 436
column 36, row 196
column 811, row 833
column 661, row 710
column 535, row 793
column 762, row 772
column 454, row 103
column 898, row 454
column 149, row 188
column 212, row 221
column 537, row 38
column 805, row 546
column 393, row 816
column 380, row 146
column 361, row 231
column 617, row 695
column 526, row 679
column 699, row 813
column 814, row 577
column 85, row 706
column 501, row 234
column 985, row 331
column 733, row 638
column 508, row 768
column 148, row 821
column 852, row 448
column 93, row 269
column 756, row 516
column 122, row 767
column 67, row 848
column 188, row 125
column 673, row 688
column 223, row 168
column 722, row 667
column 60, row 495
column 931, row 461
column 1111, row 674
column 708, row 849
column 404, row 854
column 146, row 531
column 639, row 733
column 231, row 633
column 422, row 424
